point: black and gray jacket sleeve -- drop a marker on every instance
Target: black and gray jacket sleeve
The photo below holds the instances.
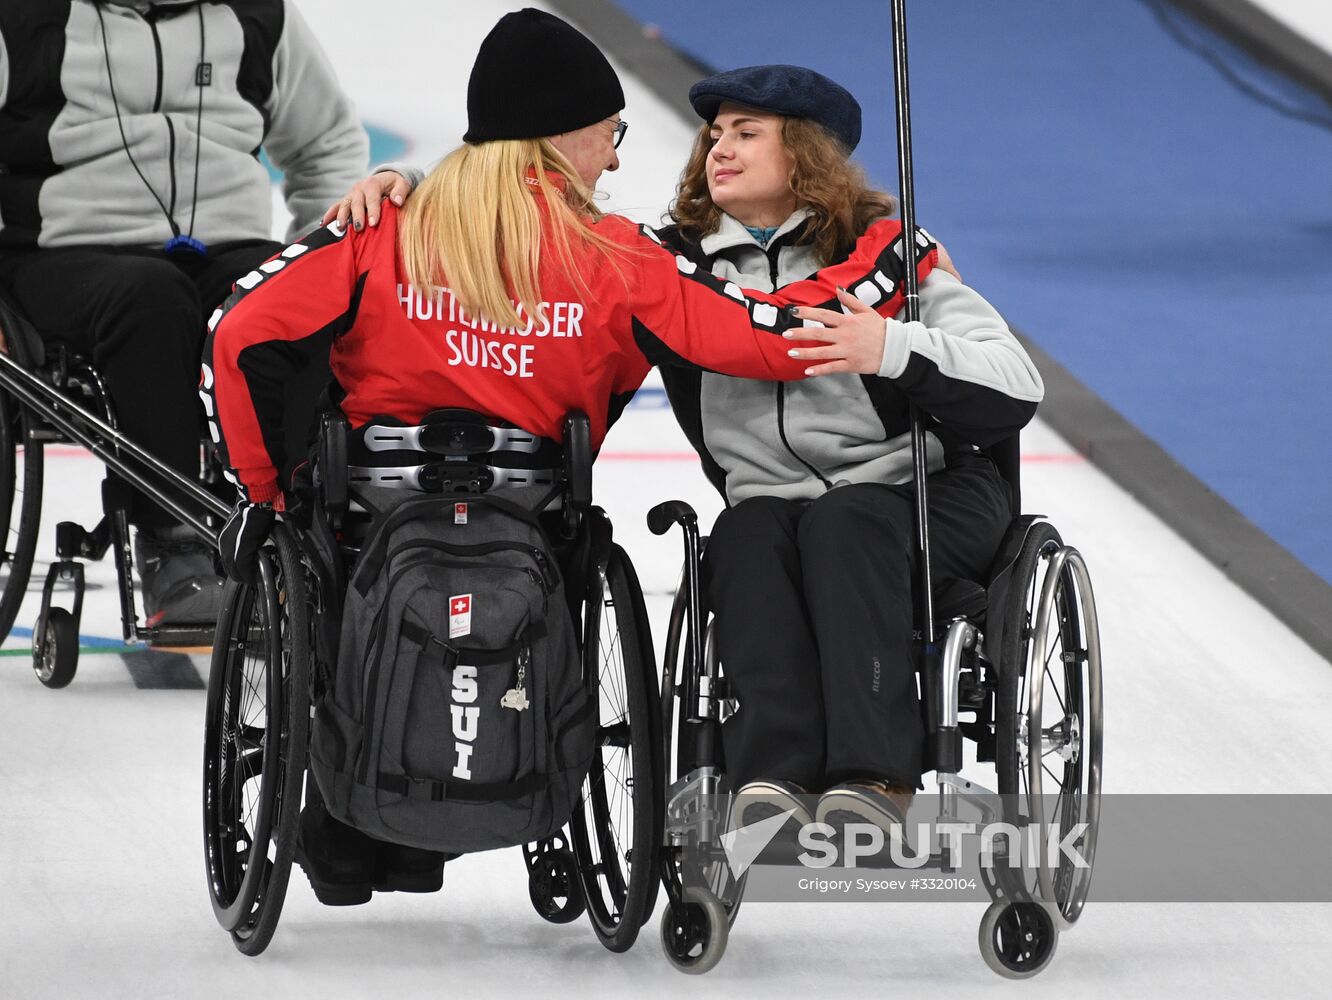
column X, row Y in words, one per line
column 961, row 364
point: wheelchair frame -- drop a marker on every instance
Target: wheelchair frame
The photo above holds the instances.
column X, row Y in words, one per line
column 47, row 410
column 992, row 668
column 252, row 782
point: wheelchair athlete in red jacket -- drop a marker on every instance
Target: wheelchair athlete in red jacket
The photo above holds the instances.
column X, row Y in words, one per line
column 500, row 289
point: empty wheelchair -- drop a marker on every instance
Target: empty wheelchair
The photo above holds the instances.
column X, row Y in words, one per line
column 1017, row 673
column 48, row 396
column 276, row 643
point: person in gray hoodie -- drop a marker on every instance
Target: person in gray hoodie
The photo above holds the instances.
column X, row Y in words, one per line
column 132, row 197
column 810, row 567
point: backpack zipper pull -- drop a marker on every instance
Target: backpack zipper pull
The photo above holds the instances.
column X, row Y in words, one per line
column 516, row 697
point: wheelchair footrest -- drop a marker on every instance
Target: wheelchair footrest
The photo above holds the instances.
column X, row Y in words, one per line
column 177, row 636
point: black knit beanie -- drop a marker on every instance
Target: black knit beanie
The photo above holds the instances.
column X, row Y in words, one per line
column 536, row 76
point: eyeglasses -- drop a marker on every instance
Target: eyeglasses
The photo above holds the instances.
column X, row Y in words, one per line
column 621, row 127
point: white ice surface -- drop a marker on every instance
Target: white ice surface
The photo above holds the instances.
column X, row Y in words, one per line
column 102, row 888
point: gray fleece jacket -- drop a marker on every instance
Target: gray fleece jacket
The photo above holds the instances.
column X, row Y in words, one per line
column 799, row 439
column 198, row 89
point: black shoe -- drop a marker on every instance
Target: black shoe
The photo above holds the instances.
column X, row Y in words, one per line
column 399, row 868
column 178, row 571
column 338, row 859
column 760, row 800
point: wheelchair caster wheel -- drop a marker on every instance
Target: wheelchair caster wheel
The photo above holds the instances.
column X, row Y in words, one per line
column 694, row 934
column 553, row 886
column 55, row 666
column 1017, row 940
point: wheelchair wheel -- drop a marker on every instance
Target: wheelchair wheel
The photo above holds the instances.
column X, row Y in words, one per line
column 694, row 932
column 1017, row 940
column 553, row 886
column 256, row 729
column 1048, row 722
column 615, row 826
column 57, row 665
column 20, row 498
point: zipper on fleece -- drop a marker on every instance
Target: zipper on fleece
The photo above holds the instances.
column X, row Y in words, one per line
column 171, row 129
column 157, row 49
column 772, row 251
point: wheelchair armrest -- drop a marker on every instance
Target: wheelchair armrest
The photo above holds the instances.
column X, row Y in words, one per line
column 331, row 464
column 578, row 460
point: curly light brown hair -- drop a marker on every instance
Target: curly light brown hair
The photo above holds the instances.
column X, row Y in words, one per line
column 822, row 177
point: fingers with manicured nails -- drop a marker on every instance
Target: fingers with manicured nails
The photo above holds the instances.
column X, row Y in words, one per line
column 241, row 539
column 831, row 318
column 831, row 368
column 359, row 199
column 334, row 213
column 379, row 186
column 856, row 345
column 853, row 304
column 360, row 205
column 399, row 189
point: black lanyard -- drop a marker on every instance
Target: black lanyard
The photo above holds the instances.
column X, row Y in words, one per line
column 179, row 241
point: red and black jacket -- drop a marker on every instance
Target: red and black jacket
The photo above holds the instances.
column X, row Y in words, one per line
column 401, row 353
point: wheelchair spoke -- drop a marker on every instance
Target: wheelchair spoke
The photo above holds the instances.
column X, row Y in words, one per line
column 251, row 764
column 1054, row 689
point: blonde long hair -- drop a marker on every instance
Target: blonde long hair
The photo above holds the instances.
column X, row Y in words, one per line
column 823, row 179
column 474, row 224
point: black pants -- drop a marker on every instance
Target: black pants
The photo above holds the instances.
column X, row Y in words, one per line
column 813, row 606
column 140, row 316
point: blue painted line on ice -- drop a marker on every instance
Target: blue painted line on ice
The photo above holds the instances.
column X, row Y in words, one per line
column 101, row 642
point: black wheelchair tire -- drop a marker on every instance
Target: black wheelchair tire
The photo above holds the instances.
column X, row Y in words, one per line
column 620, row 886
column 247, row 897
column 1074, row 634
column 20, row 499
column 56, row 668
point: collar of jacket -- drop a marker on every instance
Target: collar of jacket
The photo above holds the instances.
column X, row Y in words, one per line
column 731, row 232
column 560, row 182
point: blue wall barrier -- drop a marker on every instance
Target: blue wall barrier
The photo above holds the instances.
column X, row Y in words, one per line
column 1164, row 235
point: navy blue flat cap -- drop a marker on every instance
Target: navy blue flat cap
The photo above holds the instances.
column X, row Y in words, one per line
column 786, row 90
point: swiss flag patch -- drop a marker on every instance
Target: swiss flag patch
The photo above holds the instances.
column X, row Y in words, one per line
column 460, row 513
column 460, row 615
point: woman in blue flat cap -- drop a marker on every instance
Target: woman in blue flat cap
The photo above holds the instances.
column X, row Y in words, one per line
column 810, row 567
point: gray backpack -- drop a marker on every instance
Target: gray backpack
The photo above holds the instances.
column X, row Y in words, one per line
column 457, row 719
